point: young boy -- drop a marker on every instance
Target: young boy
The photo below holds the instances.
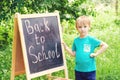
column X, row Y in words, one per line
column 83, row 49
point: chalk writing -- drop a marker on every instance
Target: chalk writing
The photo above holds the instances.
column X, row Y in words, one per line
column 36, row 27
column 44, row 56
column 40, row 40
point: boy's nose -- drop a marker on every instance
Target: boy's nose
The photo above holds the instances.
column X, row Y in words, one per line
column 82, row 29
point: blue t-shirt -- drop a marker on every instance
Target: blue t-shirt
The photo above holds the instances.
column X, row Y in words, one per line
column 83, row 48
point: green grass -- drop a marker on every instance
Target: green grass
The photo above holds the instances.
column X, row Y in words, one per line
column 5, row 64
column 108, row 62
column 103, row 27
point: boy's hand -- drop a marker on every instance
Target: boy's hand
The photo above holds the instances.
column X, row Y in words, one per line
column 64, row 44
column 93, row 55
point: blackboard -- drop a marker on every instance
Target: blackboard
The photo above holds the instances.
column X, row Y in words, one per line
column 42, row 42
column 36, row 48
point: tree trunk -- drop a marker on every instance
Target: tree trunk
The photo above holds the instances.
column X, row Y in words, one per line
column 116, row 7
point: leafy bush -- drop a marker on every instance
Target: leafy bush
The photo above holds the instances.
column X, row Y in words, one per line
column 117, row 21
column 5, row 63
column 105, row 26
column 6, row 33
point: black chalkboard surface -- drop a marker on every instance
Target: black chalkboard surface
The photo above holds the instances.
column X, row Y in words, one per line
column 43, row 43
column 37, row 48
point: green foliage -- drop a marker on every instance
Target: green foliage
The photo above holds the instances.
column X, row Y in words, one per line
column 65, row 8
column 102, row 21
column 68, row 11
column 5, row 63
column 117, row 21
column 105, row 26
column 108, row 62
column 6, row 33
column 69, row 26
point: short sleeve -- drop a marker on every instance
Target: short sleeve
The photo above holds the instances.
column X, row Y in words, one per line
column 96, row 42
column 73, row 46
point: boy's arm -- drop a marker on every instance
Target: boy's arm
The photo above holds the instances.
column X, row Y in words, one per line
column 103, row 47
column 72, row 53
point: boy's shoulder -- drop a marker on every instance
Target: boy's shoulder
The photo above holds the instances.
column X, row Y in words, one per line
column 91, row 37
column 76, row 38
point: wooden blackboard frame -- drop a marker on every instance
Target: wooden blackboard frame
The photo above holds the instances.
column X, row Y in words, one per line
column 19, row 53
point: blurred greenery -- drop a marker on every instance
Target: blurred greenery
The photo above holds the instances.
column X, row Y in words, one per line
column 105, row 26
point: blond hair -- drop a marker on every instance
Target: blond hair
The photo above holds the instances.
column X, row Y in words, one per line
column 83, row 20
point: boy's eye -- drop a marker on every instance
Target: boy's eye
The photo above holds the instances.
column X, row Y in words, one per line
column 80, row 27
column 85, row 26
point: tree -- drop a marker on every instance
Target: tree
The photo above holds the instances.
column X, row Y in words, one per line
column 116, row 7
column 10, row 7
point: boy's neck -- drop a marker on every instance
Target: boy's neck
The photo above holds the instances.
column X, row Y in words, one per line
column 83, row 36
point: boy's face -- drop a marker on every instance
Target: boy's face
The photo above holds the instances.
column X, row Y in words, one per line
column 83, row 29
